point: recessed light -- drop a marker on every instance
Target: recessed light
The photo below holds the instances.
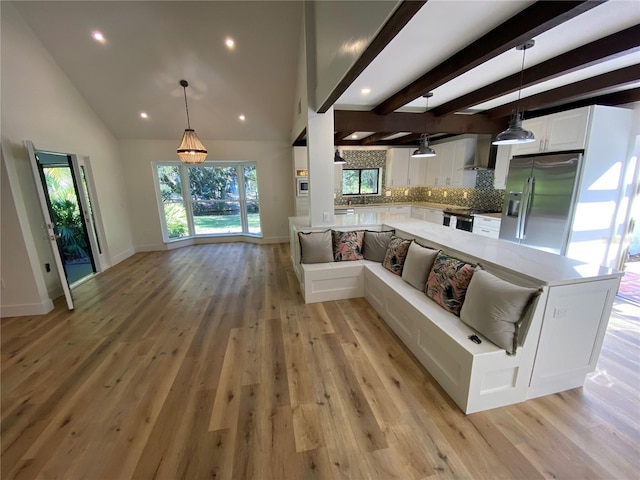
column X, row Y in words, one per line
column 365, row 91
column 144, row 115
column 230, row 43
column 98, row 37
column 242, row 118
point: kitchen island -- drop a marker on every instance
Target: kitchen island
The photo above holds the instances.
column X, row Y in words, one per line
column 570, row 318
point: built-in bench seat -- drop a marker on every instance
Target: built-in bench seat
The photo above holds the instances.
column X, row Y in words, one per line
column 561, row 334
column 476, row 376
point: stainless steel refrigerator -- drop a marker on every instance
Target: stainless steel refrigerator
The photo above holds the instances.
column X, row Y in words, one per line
column 539, row 198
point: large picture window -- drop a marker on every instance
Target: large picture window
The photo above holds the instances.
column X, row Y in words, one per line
column 360, row 181
column 207, row 199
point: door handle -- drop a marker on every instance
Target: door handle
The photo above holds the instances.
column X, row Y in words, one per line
column 526, row 204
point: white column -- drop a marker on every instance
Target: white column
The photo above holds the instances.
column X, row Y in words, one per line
column 321, row 169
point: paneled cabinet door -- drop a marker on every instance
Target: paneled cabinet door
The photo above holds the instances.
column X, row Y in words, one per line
column 503, row 158
column 418, row 171
column 556, row 132
column 397, row 172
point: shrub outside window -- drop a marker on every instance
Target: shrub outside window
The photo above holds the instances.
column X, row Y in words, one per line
column 220, row 199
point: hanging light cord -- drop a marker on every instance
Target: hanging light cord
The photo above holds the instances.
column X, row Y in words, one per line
column 186, row 106
column 524, row 52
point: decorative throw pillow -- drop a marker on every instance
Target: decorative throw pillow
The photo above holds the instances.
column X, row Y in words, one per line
column 347, row 245
column 418, row 264
column 375, row 244
column 315, row 247
column 396, row 254
column 496, row 308
column 448, row 282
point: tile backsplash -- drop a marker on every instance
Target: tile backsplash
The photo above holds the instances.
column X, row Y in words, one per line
column 483, row 196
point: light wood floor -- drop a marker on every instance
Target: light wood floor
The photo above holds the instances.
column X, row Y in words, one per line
column 204, row 363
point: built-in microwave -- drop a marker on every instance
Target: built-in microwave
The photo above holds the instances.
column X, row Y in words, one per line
column 302, row 186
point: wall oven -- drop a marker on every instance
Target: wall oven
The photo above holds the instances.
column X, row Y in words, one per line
column 459, row 220
column 302, row 186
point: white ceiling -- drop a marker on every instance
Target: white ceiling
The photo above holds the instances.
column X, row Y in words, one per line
column 151, row 45
column 442, row 27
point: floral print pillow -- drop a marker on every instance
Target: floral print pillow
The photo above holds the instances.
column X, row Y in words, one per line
column 448, row 282
column 396, row 254
column 347, row 245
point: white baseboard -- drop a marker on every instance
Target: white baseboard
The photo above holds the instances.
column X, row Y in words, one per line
column 115, row 259
column 26, row 310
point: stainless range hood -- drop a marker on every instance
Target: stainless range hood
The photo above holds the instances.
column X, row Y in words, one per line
column 486, row 152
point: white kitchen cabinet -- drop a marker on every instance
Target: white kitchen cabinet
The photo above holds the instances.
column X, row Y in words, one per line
column 448, row 165
column 418, row 171
column 503, row 157
column 433, row 215
column 300, row 161
column 400, row 210
column 486, row 226
column 556, row 132
column 397, row 173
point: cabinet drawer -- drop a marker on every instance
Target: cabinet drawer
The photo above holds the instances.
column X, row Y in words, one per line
column 486, row 232
column 486, row 222
column 402, row 210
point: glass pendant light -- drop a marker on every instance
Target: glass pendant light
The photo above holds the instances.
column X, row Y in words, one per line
column 424, row 150
column 515, row 133
column 191, row 149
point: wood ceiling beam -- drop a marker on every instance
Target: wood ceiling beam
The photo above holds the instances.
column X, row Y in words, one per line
column 562, row 95
column 532, row 21
column 622, row 97
column 608, row 48
column 415, row 122
column 375, row 138
column 399, row 18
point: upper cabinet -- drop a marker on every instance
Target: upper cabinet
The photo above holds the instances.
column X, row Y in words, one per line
column 397, row 173
column 556, row 132
column 502, row 167
column 447, row 168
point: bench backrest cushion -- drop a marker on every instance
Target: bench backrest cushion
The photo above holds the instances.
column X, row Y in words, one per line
column 375, row 245
column 418, row 264
column 315, row 247
column 448, row 281
column 496, row 308
column 347, row 246
column 396, row 254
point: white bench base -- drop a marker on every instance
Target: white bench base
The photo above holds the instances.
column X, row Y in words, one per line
column 476, row 376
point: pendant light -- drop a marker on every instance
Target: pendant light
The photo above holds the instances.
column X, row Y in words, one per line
column 424, row 150
column 515, row 133
column 337, row 159
column 191, row 149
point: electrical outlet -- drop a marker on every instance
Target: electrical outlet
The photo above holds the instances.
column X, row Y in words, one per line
column 445, row 194
column 47, row 267
column 464, row 195
column 406, row 192
column 325, row 217
column 429, row 193
column 387, row 193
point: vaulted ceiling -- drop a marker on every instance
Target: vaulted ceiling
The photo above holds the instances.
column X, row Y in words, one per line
column 461, row 50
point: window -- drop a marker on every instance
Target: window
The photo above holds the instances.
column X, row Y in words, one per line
column 207, row 199
column 360, row 181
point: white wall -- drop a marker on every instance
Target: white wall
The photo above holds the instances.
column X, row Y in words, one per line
column 273, row 159
column 40, row 104
column 340, row 32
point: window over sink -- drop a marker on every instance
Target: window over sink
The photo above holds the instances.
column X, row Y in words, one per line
column 361, row 181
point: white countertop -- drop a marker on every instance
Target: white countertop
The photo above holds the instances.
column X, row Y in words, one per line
column 438, row 206
column 539, row 266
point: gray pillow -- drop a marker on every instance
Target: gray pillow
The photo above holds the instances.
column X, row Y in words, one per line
column 496, row 308
column 375, row 244
column 316, row 247
column 418, row 264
